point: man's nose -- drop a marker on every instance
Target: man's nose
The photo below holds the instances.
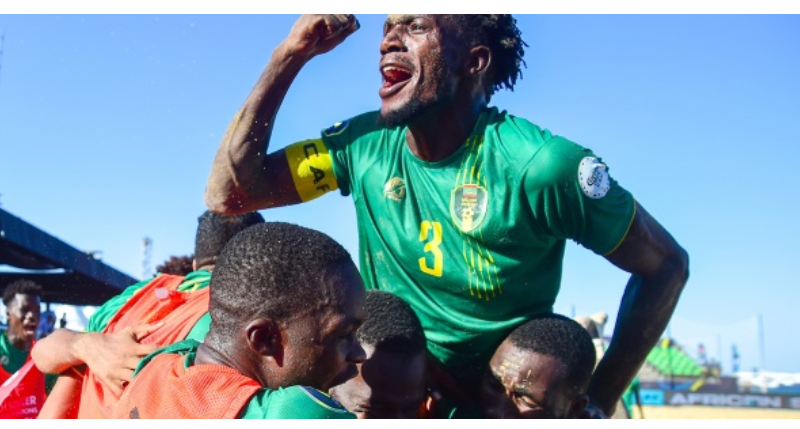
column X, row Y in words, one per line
column 392, row 41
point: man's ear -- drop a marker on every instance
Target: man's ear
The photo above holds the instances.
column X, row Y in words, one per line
column 577, row 405
column 194, row 264
column 480, row 58
column 264, row 336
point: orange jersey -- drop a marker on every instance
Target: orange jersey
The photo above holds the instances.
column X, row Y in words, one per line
column 166, row 389
column 158, row 301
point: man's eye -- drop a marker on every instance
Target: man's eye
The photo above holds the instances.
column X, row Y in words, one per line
column 416, row 27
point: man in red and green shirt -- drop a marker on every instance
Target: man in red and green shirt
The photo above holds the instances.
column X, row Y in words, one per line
column 22, row 300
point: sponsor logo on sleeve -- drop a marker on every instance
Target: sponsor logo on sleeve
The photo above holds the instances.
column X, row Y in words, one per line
column 593, row 178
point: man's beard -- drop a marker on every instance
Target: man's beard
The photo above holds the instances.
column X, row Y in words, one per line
column 402, row 116
column 416, row 106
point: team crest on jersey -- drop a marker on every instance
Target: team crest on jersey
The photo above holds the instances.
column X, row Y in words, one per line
column 336, row 129
column 395, row 189
column 468, row 206
column 593, row 178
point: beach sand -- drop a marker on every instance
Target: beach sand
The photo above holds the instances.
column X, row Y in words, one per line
column 696, row 412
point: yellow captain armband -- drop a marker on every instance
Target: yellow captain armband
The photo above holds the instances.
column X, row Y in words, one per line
column 312, row 169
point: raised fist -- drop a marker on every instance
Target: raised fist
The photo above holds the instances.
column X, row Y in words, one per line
column 312, row 35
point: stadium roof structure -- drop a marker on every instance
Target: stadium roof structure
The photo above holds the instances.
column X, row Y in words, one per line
column 67, row 275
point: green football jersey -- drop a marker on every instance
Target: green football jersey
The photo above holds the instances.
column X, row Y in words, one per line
column 473, row 242
column 294, row 402
column 11, row 358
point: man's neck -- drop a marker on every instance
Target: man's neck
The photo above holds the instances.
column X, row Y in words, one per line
column 209, row 354
column 436, row 136
column 19, row 341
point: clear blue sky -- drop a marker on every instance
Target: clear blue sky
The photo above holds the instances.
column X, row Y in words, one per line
column 109, row 124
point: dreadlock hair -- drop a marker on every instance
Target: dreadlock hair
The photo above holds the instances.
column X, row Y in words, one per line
column 215, row 230
column 270, row 270
column 562, row 338
column 500, row 34
column 391, row 325
column 176, row 265
column 23, row 287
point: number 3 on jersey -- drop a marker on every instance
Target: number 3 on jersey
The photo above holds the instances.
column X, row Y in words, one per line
column 431, row 246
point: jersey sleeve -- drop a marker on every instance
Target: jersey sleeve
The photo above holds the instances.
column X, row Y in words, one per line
column 296, row 402
column 573, row 196
column 103, row 315
column 353, row 147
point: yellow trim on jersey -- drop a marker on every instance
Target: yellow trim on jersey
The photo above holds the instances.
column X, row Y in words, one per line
column 323, row 399
column 312, row 169
column 627, row 230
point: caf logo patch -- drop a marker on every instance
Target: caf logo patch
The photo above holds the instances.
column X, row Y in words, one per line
column 468, row 206
column 336, row 129
column 593, row 178
column 395, row 189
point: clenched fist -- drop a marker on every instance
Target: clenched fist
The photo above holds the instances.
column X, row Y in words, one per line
column 313, row 35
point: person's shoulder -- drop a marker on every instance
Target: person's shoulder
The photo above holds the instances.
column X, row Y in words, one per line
column 527, row 144
column 357, row 125
column 319, row 397
column 295, row 402
column 511, row 125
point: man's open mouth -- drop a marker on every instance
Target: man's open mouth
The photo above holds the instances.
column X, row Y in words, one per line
column 394, row 78
column 393, row 75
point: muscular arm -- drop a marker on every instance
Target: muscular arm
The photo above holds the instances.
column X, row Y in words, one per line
column 660, row 269
column 243, row 176
column 59, row 351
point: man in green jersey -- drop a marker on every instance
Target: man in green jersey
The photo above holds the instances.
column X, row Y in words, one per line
column 113, row 357
column 463, row 209
column 391, row 383
column 286, row 302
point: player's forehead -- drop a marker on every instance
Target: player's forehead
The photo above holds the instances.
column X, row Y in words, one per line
column 22, row 300
column 402, row 19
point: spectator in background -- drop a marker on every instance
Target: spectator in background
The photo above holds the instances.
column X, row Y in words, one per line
column 48, row 324
column 22, row 299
